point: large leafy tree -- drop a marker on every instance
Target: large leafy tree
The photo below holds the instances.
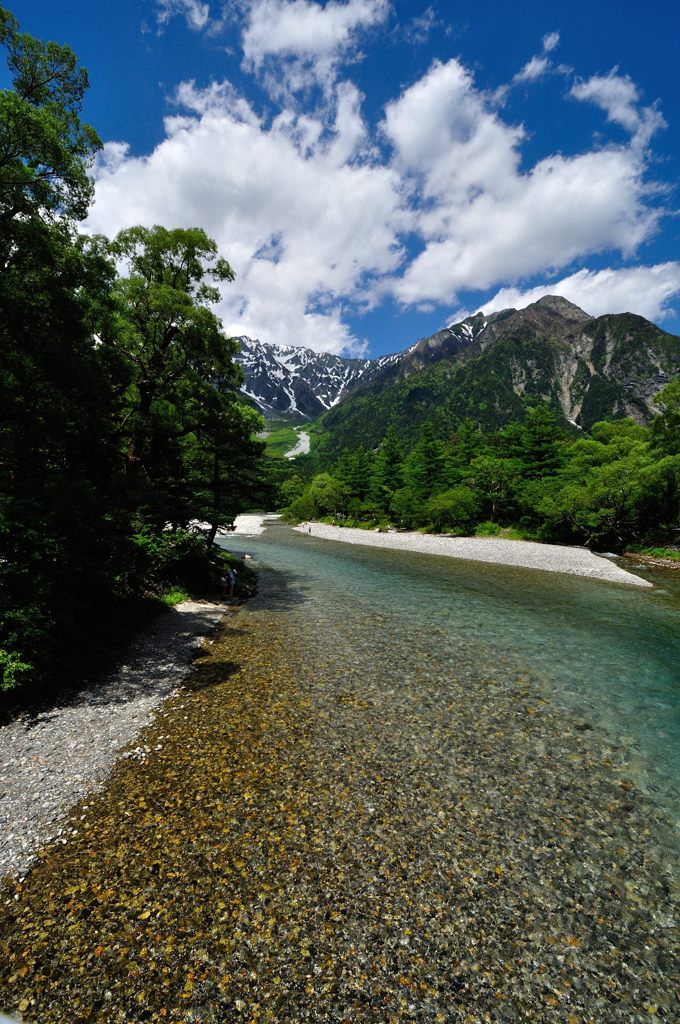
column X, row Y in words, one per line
column 183, row 429
column 56, row 442
column 118, row 394
column 45, row 149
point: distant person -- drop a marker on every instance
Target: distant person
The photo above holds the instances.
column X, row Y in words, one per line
column 231, row 582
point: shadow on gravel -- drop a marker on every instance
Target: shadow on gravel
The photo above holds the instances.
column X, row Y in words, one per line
column 154, row 661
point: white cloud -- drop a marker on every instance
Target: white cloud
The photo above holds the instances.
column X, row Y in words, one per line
column 647, row 291
column 197, row 14
column 562, row 210
column 418, row 30
column 322, row 215
column 303, row 41
column 444, row 133
column 533, row 69
column 302, row 227
column 536, row 67
column 550, row 41
column 483, row 220
column 619, row 97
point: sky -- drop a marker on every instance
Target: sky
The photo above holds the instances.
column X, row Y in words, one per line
column 375, row 170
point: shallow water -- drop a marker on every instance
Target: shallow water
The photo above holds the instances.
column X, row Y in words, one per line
column 607, row 652
column 390, row 792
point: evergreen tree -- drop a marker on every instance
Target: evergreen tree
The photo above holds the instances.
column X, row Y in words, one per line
column 387, row 473
column 353, row 470
column 424, row 466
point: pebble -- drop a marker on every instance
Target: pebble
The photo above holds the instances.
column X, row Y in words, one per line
column 306, row 848
column 51, row 758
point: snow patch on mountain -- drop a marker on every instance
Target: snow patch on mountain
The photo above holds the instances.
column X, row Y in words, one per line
column 299, row 383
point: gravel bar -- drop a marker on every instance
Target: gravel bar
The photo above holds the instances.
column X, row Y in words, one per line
column 53, row 757
column 522, row 553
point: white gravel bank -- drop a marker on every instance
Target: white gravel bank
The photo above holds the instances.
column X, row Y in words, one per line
column 250, row 525
column 52, row 758
column 523, row 553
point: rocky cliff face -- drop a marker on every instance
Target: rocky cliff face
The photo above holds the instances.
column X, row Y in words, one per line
column 298, row 383
column 484, row 368
column 487, row 368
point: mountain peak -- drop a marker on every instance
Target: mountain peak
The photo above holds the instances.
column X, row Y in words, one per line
column 296, row 382
column 563, row 306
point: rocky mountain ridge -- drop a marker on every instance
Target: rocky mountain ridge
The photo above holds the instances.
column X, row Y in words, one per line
column 484, row 368
column 298, row 383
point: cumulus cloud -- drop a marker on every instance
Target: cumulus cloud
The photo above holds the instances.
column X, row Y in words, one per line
column 444, row 134
column 300, row 43
column 322, row 214
column 647, row 291
column 197, row 14
column 486, row 220
column 302, row 226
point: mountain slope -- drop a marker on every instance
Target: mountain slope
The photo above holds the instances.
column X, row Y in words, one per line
column 486, row 369
column 297, row 383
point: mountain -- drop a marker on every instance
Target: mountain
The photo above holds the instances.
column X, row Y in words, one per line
column 297, row 383
column 487, row 368
column 484, row 368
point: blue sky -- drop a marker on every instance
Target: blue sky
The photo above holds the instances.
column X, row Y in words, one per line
column 375, row 170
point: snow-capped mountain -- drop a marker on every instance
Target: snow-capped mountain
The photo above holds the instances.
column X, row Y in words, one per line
column 298, row 383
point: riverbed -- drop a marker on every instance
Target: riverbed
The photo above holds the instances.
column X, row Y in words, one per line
column 398, row 788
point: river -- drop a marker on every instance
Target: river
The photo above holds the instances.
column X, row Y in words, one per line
column 610, row 654
column 397, row 788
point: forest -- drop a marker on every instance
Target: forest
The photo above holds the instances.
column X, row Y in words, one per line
column 610, row 488
column 121, row 422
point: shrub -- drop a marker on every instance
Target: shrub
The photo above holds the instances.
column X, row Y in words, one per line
column 487, row 529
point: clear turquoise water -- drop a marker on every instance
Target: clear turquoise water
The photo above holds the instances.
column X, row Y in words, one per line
column 609, row 653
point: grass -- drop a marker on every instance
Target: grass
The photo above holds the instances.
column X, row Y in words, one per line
column 175, row 596
column 669, row 553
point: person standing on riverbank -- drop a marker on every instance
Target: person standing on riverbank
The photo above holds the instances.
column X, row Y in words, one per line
column 228, row 583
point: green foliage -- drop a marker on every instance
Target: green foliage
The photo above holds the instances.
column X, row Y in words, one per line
column 487, row 529
column 455, row 509
column 121, row 418
column 175, row 596
column 281, row 440
column 666, row 426
column 45, row 149
column 13, row 670
column 327, row 494
column 529, row 479
column 656, row 552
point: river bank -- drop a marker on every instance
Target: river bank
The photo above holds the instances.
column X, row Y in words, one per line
column 520, row 553
column 52, row 757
